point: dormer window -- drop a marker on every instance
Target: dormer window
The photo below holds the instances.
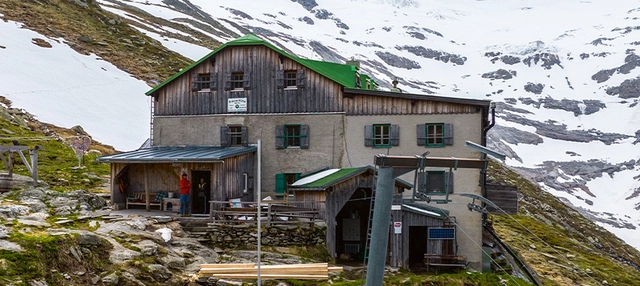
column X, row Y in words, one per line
column 291, row 79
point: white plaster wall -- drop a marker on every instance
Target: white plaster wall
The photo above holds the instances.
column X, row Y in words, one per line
column 325, row 133
column 466, row 127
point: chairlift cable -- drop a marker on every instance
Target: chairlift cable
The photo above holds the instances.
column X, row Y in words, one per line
column 483, row 251
column 549, row 246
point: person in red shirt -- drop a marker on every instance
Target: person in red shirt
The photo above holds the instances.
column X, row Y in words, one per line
column 185, row 191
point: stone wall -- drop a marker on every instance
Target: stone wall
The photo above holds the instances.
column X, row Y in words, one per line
column 276, row 235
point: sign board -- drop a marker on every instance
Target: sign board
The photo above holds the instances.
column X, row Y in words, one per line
column 237, row 104
column 397, row 227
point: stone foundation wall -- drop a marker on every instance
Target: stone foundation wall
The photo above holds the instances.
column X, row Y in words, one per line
column 276, row 235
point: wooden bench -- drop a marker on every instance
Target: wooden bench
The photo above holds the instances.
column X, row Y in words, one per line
column 446, row 262
column 139, row 199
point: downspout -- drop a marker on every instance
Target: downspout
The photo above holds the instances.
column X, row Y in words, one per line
column 483, row 176
column 485, row 130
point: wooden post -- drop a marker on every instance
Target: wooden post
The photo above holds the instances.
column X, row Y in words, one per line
column 10, row 164
column 33, row 153
column 146, row 188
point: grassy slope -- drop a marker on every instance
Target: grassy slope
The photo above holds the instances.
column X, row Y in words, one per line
column 57, row 163
column 562, row 246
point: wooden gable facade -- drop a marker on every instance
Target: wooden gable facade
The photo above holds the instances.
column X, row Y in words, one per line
column 260, row 66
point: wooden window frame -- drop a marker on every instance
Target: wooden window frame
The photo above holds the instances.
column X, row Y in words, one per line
column 234, row 135
column 290, row 79
column 204, row 82
column 237, row 81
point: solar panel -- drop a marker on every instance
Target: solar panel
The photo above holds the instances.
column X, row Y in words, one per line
column 442, row 233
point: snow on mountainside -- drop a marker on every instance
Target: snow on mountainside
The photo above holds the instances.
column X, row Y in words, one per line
column 564, row 74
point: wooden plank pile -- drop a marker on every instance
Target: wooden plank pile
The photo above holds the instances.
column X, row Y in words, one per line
column 313, row 271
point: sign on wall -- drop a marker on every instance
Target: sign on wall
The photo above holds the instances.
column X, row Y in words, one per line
column 237, row 105
column 397, row 227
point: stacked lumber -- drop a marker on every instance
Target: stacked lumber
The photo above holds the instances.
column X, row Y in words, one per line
column 313, row 271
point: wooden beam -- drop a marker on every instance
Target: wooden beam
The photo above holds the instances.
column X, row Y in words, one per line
column 406, row 162
column 13, row 148
column 272, row 276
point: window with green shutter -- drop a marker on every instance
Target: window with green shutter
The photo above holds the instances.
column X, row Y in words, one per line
column 435, row 134
column 292, row 136
column 281, row 184
column 381, row 135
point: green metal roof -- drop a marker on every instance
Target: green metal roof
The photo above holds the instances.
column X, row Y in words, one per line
column 338, row 175
column 177, row 154
column 341, row 73
column 322, row 180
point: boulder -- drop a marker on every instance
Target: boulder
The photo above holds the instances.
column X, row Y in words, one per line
column 159, row 272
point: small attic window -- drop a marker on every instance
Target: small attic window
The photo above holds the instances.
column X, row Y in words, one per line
column 290, row 79
column 204, row 82
column 237, row 81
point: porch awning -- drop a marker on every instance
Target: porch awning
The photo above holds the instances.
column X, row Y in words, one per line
column 327, row 178
column 177, row 154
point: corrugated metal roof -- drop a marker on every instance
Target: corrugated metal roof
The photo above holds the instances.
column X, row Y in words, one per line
column 177, row 154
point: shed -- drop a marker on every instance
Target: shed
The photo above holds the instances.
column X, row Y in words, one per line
column 411, row 235
column 346, row 194
column 227, row 171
